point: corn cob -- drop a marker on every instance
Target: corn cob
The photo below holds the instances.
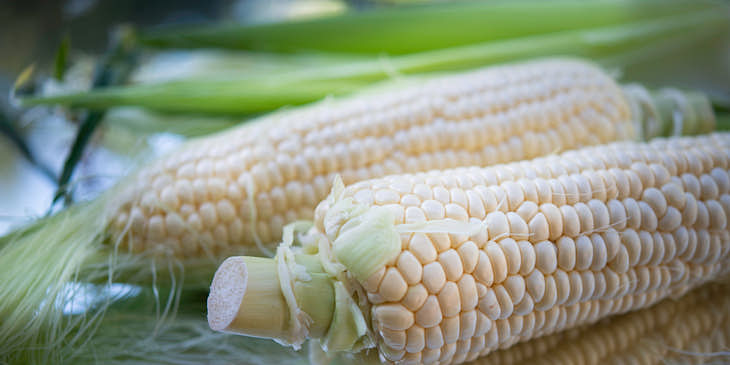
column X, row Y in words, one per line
column 446, row 266
column 225, row 193
column 692, row 329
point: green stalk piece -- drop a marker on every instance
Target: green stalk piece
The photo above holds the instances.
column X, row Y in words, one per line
column 407, row 29
column 259, row 93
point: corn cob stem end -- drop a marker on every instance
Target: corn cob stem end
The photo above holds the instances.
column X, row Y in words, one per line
column 245, row 298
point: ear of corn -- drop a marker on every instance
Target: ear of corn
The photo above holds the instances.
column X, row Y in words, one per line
column 227, row 193
column 490, row 257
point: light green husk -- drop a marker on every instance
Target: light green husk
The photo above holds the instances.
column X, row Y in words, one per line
column 409, row 29
column 44, row 268
column 258, row 93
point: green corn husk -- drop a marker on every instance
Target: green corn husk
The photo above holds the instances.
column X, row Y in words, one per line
column 259, row 93
column 423, row 27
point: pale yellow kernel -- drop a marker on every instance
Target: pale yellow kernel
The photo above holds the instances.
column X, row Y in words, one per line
column 550, row 295
column 430, row 356
column 671, row 220
column 410, row 200
column 156, row 228
column 620, row 263
column 208, row 214
column 585, row 216
column 601, row 217
column 557, row 192
column 598, row 187
column 571, row 221
column 554, row 218
column 622, row 182
column 469, row 254
column 691, row 184
column 546, row 257
column 656, row 200
column 635, row 184
column 575, row 287
column 674, row 195
column 613, row 241
column 524, row 307
column 169, row 198
column 617, row 214
column 489, row 305
column 527, row 210
column 449, row 299
column 415, row 297
column 393, row 287
column 566, row 253
column 476, row 206
column 193, row 222
column 703, row 216
column 633, row 213
column 528, row 256
column 570, row 189
column 539, row 228
column 423, row 191
column 484, row 324
column 447, row 352
column 498, row 261
column 600, row 284
column 562, row 285
column 441, row 195
column 497, row 225
column 394, row 339
column 518, row 227
column 600, row 252
column 415, row 339
column 512, row 255
column 415, row 215
column 409, row 267
column 708, row 187
column 658, row 251
column 456, row 212
column 422, row 248
column 722, row 179
column 484, row 272
column 467, row 324
column 718, row 220
column 433, row 209
column 689, row 213
column 647, row 247
column 585, row 191
column 468, row 292
column 175, row 225
column 644, row 173
column 393, row 316
column 452, row 265
column 530, row 189
column 584, row 253
column 544, row 192
column 515, row 285
column 429, row 315
column 388, row 353
column 588, row 280
column 514, row 193
column 373, row 282
column 434, row 277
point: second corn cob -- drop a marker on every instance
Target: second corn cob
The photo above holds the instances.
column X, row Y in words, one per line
column 446, row 266
column 225, row 193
